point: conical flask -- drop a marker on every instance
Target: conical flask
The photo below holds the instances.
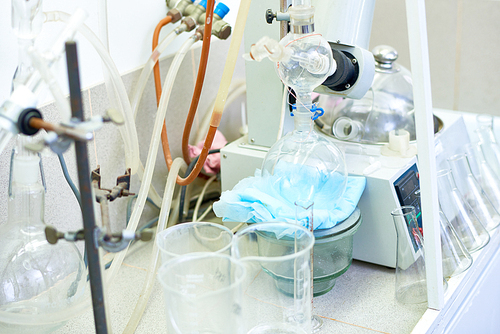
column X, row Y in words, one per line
column 472, row 192
column 41, row 285
column 411, row 282
column 488, row 180
column 456, row 258
column 459, row 213
column 490, row 147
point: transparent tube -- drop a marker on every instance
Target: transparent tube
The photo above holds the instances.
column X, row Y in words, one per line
column 166, row 204
column 129, row 132
column 148, row 68
column 61, row 101
column 153, row 151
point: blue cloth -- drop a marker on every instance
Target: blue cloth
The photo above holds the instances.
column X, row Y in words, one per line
column 268, row 198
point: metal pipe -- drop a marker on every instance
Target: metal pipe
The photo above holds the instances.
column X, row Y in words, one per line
column 89, row 226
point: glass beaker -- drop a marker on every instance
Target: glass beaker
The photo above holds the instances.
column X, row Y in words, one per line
column 194, row 237
column 488, row 180
column 459, row 213
column 456, row 258
column 304, row 217
column 277, row 289
column 203, row 293
column 411, row 282
column 472, row 192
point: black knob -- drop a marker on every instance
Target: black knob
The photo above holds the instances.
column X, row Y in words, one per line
column 270, row 16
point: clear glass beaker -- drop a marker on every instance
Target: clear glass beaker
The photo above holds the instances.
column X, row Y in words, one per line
column 472, row 192
column 203, row 293
column 194, row 237
column 456, row 257
column 488, row 180
column 277, row 289
column 459, row 213
column 411, row 282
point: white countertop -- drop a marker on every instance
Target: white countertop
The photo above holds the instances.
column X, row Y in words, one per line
column 362, row 301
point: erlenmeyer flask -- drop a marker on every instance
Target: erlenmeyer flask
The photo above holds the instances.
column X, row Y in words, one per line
column 411, row 282
column 490, row 147
column 472, row 192
column 459, row 213
column 456, row 258
column 488, row 180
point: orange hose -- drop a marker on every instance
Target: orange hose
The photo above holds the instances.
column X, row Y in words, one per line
column 194, row 103
column 199, row 85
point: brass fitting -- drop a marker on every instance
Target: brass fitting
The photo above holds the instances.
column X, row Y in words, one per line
column 182, row 5
column 189, row 22
column 221, row 29
column 175, row 14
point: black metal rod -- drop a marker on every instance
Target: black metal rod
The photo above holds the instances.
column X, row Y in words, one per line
column 89, row 226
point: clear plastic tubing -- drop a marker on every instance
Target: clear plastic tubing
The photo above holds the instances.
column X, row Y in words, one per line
column 153, row 151
column 42, row 67
column 177, row 165
column 129, row 135
column 148, row 68
column 227, row 74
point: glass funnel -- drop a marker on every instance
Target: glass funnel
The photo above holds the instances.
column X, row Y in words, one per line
column 41, row 285
column 472, row 192
column 488, row 180
column 459, row 213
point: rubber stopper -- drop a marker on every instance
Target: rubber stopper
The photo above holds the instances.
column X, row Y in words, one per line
column 23, row 122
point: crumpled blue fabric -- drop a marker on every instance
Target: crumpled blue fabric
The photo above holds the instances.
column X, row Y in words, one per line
column 270, row 198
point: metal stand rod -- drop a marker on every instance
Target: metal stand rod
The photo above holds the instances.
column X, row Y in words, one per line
column 91, row 247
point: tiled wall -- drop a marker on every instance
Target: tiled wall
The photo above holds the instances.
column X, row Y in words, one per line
column 464, row 49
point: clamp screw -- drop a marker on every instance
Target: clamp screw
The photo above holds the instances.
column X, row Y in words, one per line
column 270, row 16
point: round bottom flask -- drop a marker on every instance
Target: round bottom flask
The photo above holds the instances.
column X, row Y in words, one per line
column 307, row 165
column 41, row 285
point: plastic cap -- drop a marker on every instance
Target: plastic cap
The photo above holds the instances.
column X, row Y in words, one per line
column 203, row 3
column 221, row 10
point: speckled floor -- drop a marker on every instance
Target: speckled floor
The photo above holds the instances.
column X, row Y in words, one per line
column 362, row 301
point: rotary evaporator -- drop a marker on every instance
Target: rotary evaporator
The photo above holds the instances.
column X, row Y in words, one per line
column 368, row 115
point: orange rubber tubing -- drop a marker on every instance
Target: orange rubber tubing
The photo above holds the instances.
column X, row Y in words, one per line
column 194, row 103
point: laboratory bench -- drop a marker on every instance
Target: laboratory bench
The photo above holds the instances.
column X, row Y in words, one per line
column 362, row 300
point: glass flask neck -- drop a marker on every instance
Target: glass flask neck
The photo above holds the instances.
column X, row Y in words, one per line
column 302, row 115
column 27, row 196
